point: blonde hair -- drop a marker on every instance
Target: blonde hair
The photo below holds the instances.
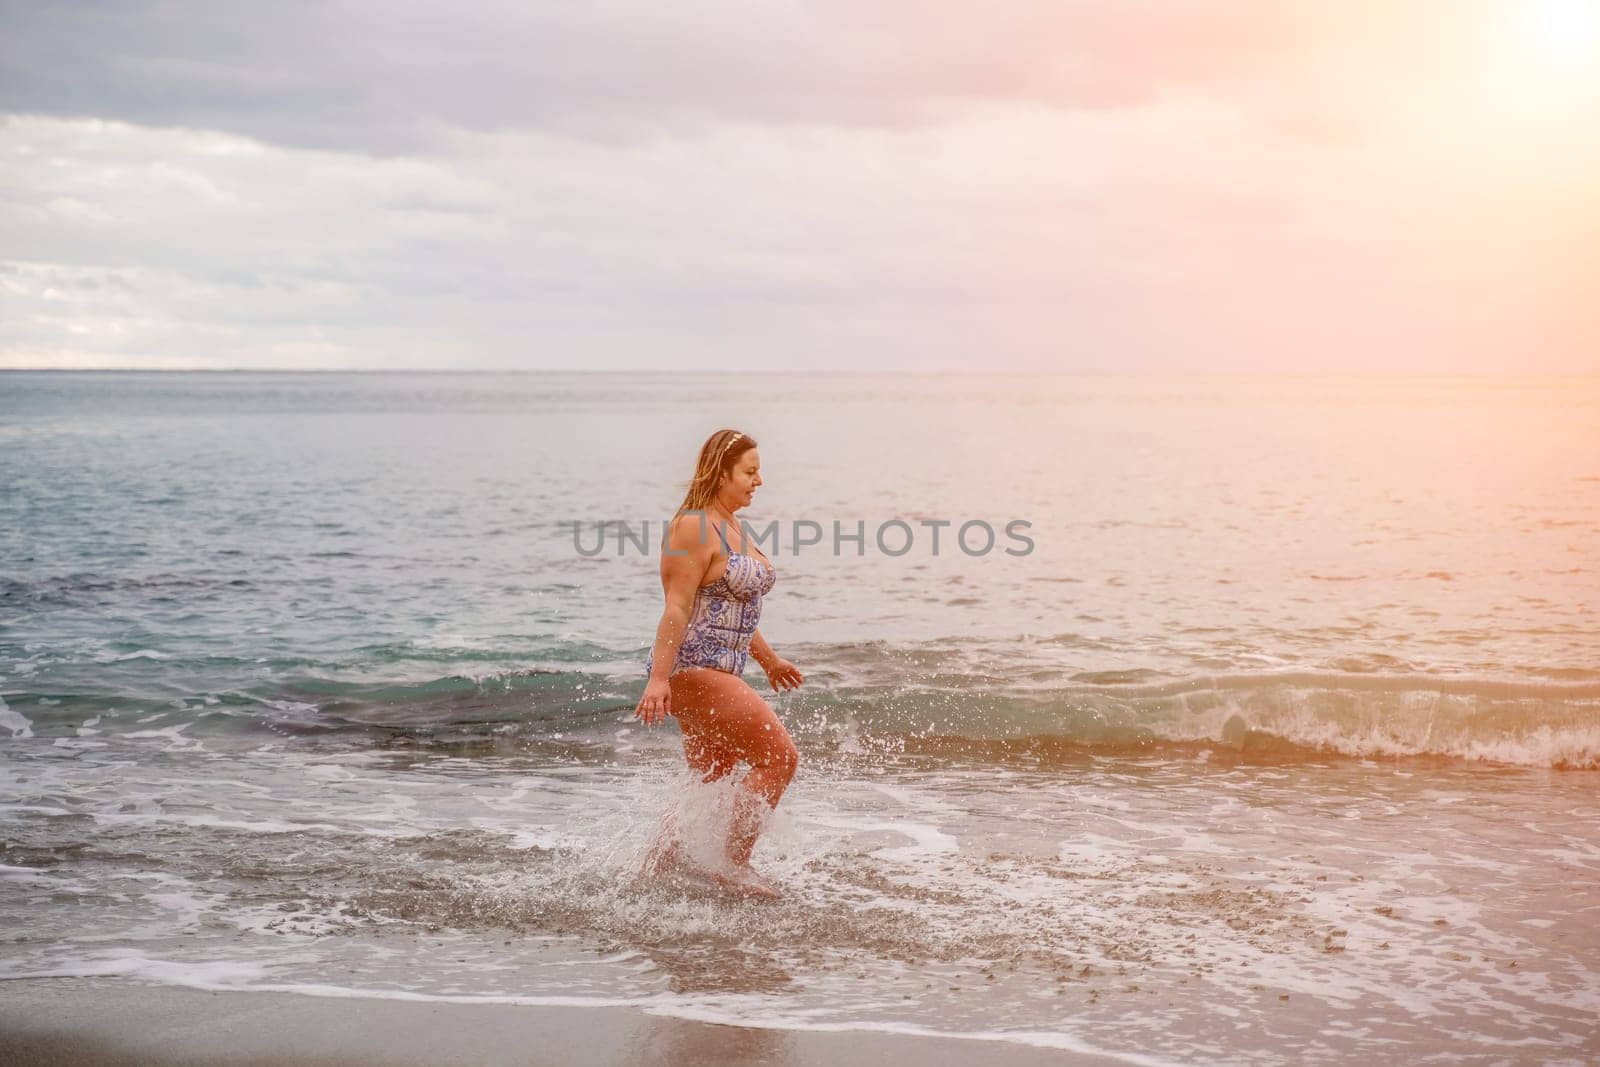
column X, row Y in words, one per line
column 717, row 456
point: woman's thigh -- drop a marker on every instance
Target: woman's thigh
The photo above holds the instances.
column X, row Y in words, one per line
column 722, row 718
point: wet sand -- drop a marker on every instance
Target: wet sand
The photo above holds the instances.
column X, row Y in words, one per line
column 108, row 1022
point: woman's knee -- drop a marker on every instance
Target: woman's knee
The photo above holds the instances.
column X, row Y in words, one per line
column 782, row 756
column 708, row 756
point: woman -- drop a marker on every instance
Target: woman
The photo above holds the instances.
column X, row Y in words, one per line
column 714, row 586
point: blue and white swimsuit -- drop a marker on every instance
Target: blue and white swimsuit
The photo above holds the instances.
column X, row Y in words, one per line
column 724, row 616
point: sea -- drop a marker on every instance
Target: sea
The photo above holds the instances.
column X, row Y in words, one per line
column 1243, row 720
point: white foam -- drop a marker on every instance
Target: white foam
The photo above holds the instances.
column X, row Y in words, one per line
column 1092, row 848
column 1413, row 726
column 1100, row 800
column 41, row 876
column 38, row 809
column 919, row 800
column 78, row 744
column 327, row 771
column 13, row 720
column 188, row 907
column 256, row 826
column 172, row 733
column 213, row 974
column 927, row 840
column 541, row 837
column 143, row 653
column 292, row 707
column 304, row 923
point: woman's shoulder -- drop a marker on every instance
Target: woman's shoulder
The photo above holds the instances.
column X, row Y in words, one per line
column 690, row 531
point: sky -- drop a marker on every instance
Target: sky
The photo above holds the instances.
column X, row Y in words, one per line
column 1035, row 186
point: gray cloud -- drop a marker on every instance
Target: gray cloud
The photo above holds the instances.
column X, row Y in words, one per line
column 386, row 77
column 1106, row 184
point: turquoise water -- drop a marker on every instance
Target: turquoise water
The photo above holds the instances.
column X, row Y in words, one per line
column 307, row 675
column 1380, row 568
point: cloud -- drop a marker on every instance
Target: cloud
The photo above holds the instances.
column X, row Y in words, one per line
column 1089, row 186
column 380, row 77
column 736, row 242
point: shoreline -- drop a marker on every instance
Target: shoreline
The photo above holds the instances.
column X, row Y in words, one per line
column 118, row 1022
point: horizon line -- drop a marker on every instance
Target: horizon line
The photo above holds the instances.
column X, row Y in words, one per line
column 1149, row 373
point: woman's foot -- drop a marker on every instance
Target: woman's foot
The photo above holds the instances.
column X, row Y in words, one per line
column 663, row 858
column 744, row 881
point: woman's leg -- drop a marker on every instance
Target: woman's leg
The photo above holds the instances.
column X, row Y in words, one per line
column 724, row 720
column 712, row 757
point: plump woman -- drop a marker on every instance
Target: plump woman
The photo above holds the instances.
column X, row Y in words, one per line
column 714, row 578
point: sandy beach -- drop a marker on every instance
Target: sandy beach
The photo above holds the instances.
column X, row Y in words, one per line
column 97, row 1022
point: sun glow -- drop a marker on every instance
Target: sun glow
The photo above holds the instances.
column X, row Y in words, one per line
column 1531, row 79
column 1566, row 30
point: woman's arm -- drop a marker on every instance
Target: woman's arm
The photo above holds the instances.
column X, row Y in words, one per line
column 762, row 652
column 781, row 674
column 683, row 565
column 669, row 635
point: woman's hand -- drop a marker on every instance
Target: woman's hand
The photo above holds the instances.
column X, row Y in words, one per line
column 783, row 675
column 656, row 704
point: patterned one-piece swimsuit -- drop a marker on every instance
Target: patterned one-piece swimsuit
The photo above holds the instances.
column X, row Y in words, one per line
column 725, row 615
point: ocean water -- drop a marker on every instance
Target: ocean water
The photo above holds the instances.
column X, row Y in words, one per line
column 1271, row 739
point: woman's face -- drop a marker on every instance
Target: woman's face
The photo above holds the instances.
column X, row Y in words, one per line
column 739, row 484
